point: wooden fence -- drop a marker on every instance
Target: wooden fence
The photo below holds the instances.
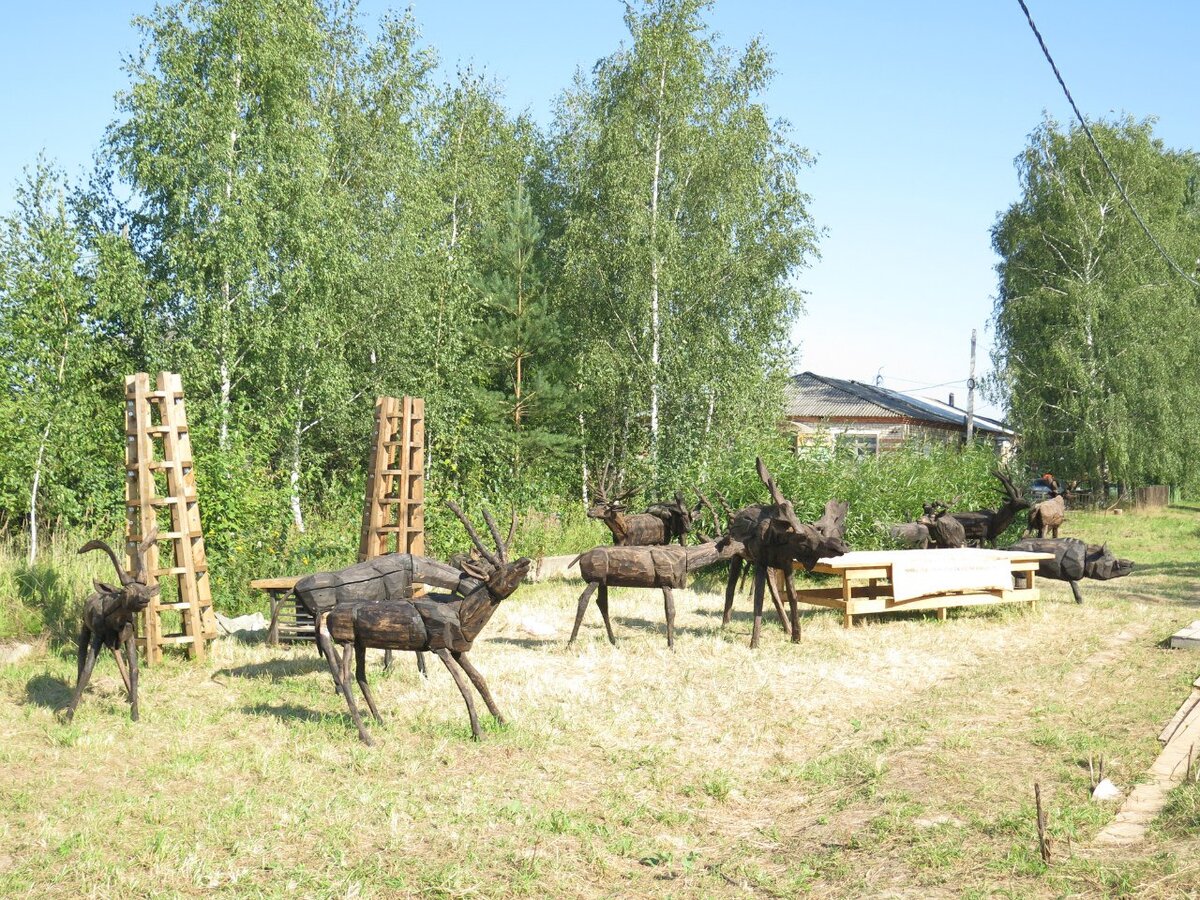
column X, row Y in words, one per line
column 1152, row 495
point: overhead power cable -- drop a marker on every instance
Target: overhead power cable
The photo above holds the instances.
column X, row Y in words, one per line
column 1103, row 159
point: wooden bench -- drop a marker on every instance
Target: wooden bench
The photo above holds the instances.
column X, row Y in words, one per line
column 289, row 621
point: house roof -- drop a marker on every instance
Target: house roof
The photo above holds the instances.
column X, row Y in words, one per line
column 817, row 397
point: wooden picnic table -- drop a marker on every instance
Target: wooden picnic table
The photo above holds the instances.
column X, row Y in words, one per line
column 291, row 620
column 927, row 579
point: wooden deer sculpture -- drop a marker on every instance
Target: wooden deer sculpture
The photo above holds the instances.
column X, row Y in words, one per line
column 645, row 567
column 387, row 577
column 662, row 523
column 444, row 624
column 986, row 525
column 773, row 537
column 108, row 616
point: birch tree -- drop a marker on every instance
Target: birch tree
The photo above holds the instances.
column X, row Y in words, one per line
column 684, row 225
column 1096, row 338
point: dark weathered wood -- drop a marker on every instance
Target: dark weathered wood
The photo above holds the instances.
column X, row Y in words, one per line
column 1074, row 560
column 366, row 605
column 944, row 529
column 661, row 523
column 664, row 567
column 108, row 617
column 984, row 526
column 771, row 536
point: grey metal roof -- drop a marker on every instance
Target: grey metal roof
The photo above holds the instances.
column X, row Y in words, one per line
column 811, row 396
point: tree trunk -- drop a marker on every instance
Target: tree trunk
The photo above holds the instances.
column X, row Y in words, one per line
column 655, row 324
column 41, row 454
column 294, row 475
column 583, row 460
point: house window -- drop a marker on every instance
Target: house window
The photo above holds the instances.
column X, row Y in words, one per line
column 861, row 443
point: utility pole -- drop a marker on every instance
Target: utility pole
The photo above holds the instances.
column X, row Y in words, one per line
column 971, row 394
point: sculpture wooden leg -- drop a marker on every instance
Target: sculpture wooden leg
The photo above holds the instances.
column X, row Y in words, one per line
column 131, row 654
column 760, row 584
column 583, row 602
column 480, row 685
column 387, row 660
column 777, row 601
column 360, row 674
column 669, row 609
column 325, row 645
column 1075, row 590
column 342, row 679
column 602, row 602
column 421, row 670
column 445, row 657
column 735, row 572
column 119, row 656
column 792, row 602
column 85, row 674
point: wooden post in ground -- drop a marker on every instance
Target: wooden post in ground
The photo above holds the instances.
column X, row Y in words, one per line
column 157, row 439
column 394, row 507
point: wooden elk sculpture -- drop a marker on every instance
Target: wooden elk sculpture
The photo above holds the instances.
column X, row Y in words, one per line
column 108, row 616
column 986, row 525
column 1050, row 514
column 444, row 624
column 662, row 523
column 644, row 567
column 1074, row 560
column 772, row 537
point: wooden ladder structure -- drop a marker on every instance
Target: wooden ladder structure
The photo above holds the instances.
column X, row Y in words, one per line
column 157, row 441
column 394, row 509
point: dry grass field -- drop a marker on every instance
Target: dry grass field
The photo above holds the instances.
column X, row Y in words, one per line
column 896, row 758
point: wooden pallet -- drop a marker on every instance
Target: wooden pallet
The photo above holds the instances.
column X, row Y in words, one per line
column 158, row 444
column 291, row 622
column 393, row 518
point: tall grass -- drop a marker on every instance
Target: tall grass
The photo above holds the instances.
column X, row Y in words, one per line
column 46, row 597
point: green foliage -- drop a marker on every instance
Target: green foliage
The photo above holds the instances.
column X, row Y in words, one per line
column 1093, row 332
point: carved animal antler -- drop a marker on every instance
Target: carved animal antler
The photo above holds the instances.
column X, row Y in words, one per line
column 474, row 535
column 785, row 505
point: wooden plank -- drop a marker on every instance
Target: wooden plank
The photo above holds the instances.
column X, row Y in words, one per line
column 185, row 530
column 273, row 584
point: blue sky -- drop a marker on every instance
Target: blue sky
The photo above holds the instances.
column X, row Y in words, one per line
column 915, row 112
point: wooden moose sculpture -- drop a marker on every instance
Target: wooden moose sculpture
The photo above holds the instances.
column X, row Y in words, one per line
column 108, row 616
column 444, row 624
column 645, row 567
column 944, row 528
column 986, row 525
column 738, row 561
column 772, row 537
column 662, row 523
column 1050, row 514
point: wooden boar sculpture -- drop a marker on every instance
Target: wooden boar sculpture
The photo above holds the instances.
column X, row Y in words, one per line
column 444, row 624
column 1074, row 560
column 662, row 523
column 108, row 616
column 986, row 525
column 772, row 537
column 645, row 567
column 1050, row 514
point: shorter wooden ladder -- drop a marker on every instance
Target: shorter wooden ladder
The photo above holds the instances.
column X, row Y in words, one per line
column 154, row 419
column 394, row 508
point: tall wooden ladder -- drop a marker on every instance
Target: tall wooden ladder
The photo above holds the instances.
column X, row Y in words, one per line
column 158, row 445
column 394, row 508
